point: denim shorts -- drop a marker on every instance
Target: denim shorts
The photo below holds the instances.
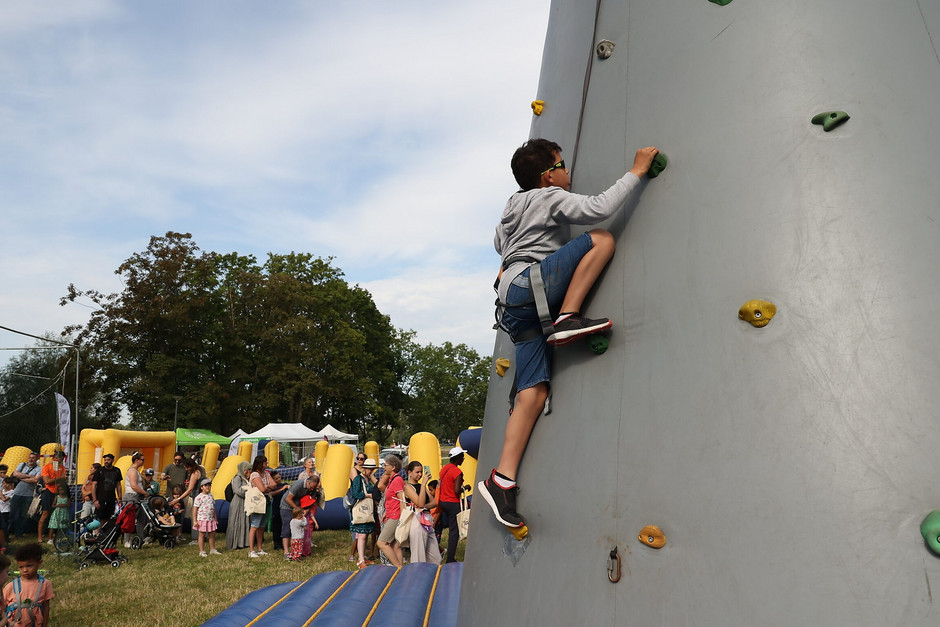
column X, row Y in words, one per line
column 534, row 357
column 256, row 520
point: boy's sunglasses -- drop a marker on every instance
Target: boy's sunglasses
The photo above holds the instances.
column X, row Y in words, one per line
column 560, row 164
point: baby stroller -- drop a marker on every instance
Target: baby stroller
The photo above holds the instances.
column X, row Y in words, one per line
column 149, row 526
column 98, row 544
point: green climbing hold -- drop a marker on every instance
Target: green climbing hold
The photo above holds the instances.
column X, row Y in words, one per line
column 598, row 343
column 659, row 164
column 830, row 119
column 930, row 529
column 720, row 2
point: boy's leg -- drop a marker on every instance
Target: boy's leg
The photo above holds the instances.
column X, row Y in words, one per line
column 529, row 405
column 570, row 324
column 589, row 268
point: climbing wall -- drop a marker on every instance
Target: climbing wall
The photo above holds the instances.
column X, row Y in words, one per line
column 788, row 466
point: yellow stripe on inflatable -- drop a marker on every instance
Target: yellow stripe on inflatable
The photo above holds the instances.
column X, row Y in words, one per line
column 375, row 605
column 332, row 596
column 276, row 603
column 427, row 612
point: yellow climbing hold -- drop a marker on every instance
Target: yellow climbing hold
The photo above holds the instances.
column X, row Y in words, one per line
column 757, row 312
column 519, row 533
column 502, row 365
column 537, row 106
column 652, row 536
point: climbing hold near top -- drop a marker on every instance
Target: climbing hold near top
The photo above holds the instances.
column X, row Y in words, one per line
column 652, row 536
column 930, row 529
column 537, row 106
column 659, row 164
column 757, row 312
column 519, row 533
column 604, row 49
column 830, row 119
column 502, row 365
column 720, row 2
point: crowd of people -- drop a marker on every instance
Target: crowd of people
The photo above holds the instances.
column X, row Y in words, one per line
column 408, row 510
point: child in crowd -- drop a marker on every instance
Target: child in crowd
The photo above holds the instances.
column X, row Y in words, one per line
column 436, row 513
column 309, row 503
column 204, row 508
column 88, row 507
column 6, row 493
column 297, row 525
column 59, row 519
column 27, row 596
column 164, row 517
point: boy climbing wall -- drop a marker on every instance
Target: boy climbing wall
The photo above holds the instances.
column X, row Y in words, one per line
column 533, row 242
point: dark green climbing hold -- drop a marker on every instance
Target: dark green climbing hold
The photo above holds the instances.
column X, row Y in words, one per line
column 658, row 165
column 720, row 2
column 598, row 343
column 930, row 529
column 830, row 119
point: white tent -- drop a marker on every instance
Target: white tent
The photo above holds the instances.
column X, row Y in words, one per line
column 299, row 438
column 335, row 435
column 285, row 432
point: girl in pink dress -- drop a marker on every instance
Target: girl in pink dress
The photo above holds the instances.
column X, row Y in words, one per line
column 204, row 508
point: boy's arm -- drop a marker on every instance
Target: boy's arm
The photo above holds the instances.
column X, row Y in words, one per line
column 578, row 209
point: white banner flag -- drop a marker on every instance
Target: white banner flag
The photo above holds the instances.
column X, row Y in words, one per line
column 65, row 421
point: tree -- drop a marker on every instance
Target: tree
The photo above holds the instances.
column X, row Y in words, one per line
column 447, row 386
column 241, row 344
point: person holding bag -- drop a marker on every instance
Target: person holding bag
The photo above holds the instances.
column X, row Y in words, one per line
column 388, row 542
column 256, row 504
column 363, row 524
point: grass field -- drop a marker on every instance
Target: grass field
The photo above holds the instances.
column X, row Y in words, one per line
column 176, row 587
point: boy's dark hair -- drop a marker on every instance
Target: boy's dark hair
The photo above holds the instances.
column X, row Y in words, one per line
column 432, row 483
column 531, row 159
column 31, row 552
column 3, row 468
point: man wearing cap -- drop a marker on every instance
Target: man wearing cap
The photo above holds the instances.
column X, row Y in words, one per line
column 52, row 471
column 451, row 486
column 106, row 487
column 27, row 475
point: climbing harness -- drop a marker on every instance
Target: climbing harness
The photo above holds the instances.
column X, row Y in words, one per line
column 537, row 287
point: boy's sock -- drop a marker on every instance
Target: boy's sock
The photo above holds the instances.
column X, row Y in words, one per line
column 503, row 481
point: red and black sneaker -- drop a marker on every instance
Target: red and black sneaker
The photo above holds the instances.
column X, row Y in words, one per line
column 575, row 326
column 501, row 500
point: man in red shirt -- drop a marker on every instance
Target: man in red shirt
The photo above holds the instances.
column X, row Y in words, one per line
column 53, row 470
column 451, row 487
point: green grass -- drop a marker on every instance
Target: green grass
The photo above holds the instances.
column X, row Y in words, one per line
column 176, row 587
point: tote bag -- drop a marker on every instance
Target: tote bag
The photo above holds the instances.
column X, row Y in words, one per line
column 254, row 501
column 463, row 518
column 362, row 511
column 403, row 532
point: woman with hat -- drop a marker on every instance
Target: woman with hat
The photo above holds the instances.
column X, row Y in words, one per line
column 362, row 488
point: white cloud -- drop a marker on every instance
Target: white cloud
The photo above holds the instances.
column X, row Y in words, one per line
column 379, row 134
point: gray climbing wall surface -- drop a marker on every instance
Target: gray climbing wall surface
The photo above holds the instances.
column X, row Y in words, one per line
column 788, row 466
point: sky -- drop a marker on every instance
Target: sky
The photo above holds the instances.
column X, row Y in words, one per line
column 376, row 133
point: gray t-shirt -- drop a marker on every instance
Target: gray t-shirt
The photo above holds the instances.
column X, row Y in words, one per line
column 23, row 488
column 297, row 490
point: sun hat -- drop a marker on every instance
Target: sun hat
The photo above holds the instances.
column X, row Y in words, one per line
column 205, row 482
column 307, row 501
column 454, row 452
column 369, row 463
